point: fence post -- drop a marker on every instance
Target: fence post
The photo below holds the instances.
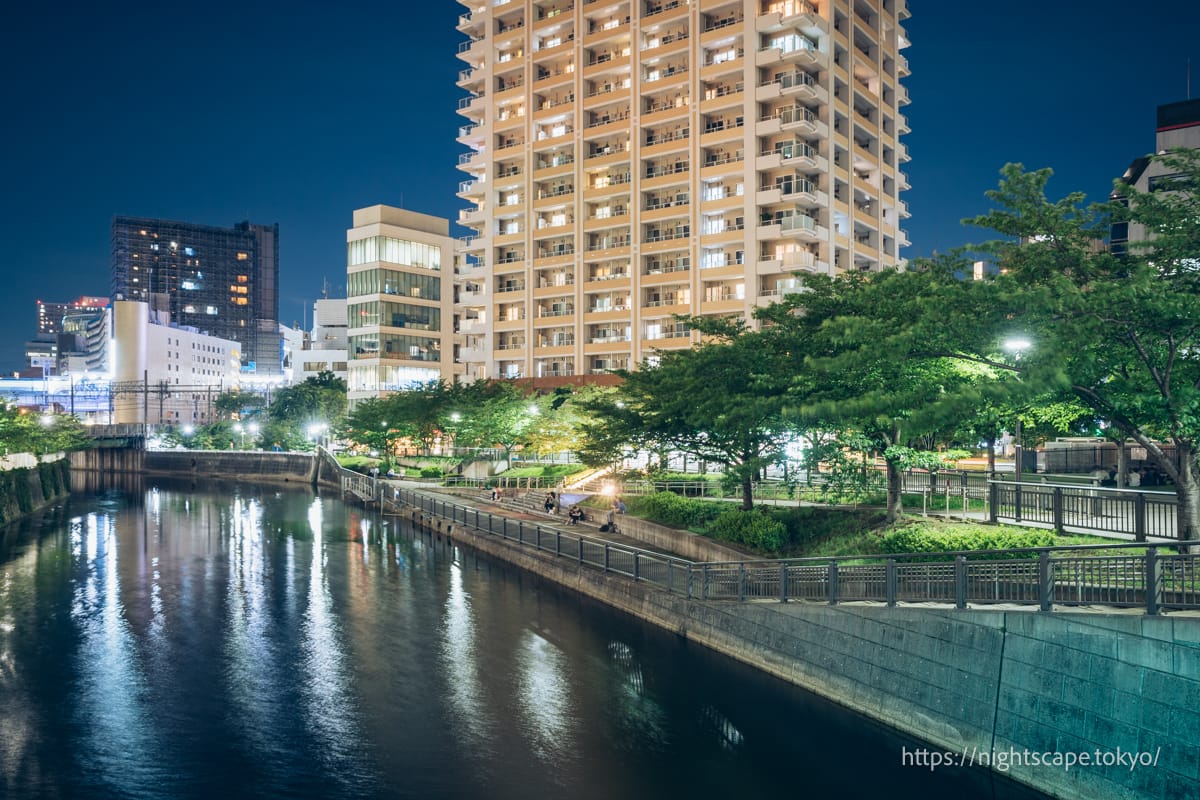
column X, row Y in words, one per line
column 833, row 583
column 783, row 587
column 993, row 499
column 1017, row 500
column 704, row 582
column 960, row 582
column 741, row 582
column 520, row 531
column 504, row 528
column 669, row 589
column 579, row 550
column 890, row 582
column 1139, row 517
column 1045, row 589
column 1154, row 583
column 606, row 556
column 557, row 543
column 635, row 566
column 1057, row 500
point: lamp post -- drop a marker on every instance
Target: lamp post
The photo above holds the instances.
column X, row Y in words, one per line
column 1017, row 345
column 241, row 432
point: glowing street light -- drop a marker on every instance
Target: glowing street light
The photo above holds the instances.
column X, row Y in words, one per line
column 1017, row 345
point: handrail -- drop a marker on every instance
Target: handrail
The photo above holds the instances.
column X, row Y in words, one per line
column 1156, row 580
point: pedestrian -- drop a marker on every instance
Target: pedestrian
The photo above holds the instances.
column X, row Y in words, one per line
column 620, row 506
column 574, row 515
column 1135, row 479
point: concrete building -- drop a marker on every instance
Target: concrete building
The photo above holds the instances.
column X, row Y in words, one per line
column 400, row 293
column 164, row 373
column 634, row 160
column 1178, row 127
column 83, row 342
column 323, row 349
column 224, row 281
column 50, row 315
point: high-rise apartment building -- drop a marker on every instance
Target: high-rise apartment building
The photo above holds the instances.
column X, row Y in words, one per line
column 222, row 281
column 399, row 301
column 1178, row 126
column 634, row 160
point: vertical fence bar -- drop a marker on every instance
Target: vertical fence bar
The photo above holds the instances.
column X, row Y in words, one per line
column 520, row 531
column 741, row 582
column 993, row 501
column 1057, row 500
column 833, row 583
column 635, row 566
column 960, row 582
column 606, row 556
column 1154, row 583
column 1139, row 517
column 1045, row 589
column 891, row 582
column 669, row 589
column 783, row 587
column 704, row 583
column 557, row 543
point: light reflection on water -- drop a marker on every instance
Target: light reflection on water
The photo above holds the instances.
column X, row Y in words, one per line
column 229, row 642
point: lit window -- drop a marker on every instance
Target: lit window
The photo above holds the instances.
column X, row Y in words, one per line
column 242, row 279
column 243, row 256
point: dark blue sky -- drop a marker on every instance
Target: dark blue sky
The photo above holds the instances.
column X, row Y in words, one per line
column 297, row 113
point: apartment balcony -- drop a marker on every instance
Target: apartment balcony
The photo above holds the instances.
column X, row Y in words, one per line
column 472, row 325
column 607, row 156
column 609, row 62
column 607, row 186
column 511, row 346
column 546, row 18
column 727, row 62
column 719, row 165
column 667, row 306
column 613, row 312
column 471, row 355
column 731, row 233
column 728, row 200
column 716, row 98
column 612, row 280
column 617, row 216
column 548, row 290
column 600, row 30
column 471, row 24
column 472, row 297
column 549, row 166
column 790, row 49
column 722, row 303
column 791, row 15
column 665, row 11
column 665, row 45
column 797, row 84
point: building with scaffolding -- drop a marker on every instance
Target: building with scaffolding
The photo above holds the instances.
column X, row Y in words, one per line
column 223, row 281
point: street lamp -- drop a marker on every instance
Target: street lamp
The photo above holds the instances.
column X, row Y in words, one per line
column 237, row 427
column 253, row 429
column 1017, row 345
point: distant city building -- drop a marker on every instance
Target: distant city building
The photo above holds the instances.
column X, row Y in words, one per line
column 632, row 161
column 400, row 292
column 50, row 315
column 83, row 343
column 224, row 281
column 1178, row 127
column 165, row 373
column 323, row 349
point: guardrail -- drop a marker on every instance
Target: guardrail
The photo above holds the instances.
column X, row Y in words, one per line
column 1151, row 577
column 1135, row 512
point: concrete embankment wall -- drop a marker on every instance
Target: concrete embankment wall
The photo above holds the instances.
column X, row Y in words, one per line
column 28, row 489
column 685, row 544
column 232, row 465
column 964, row 680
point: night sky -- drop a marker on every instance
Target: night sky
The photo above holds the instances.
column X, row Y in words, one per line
column 298, row 113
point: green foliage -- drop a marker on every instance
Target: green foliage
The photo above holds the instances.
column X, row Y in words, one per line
column 432, row 472
column 914, row 539
column 754, row 529
column 22, row 431
column 668, row 508
column 238, row 404
column 721, row 402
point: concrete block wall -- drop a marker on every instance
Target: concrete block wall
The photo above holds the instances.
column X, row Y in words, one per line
column 1087, row 682
column 248, row 465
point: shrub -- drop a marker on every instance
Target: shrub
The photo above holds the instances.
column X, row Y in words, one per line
column 432, row 472
column 671, row 509
column 911, row 539
column 752, row 528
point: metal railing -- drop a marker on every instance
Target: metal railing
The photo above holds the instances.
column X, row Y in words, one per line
column 1070, row 507
column 1151, row 578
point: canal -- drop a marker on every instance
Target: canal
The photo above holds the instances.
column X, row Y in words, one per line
column 175, row 641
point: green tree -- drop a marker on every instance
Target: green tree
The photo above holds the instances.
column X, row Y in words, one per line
column 720, row 402
column 494, row 414
column 878, row 359
column 1122, row 329
column 237, row 403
